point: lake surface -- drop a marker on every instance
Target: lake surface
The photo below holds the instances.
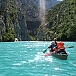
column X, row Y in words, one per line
column 27, row 59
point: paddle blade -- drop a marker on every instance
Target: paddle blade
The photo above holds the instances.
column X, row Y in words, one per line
column 70, row 47
column 44, row 51
column 48, row 54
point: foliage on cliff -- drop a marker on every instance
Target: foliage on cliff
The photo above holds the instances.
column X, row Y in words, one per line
column 14, row 17
column 9, row 17
column 62, row 21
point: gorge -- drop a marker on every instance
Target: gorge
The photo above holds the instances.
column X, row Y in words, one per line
column 22, row 18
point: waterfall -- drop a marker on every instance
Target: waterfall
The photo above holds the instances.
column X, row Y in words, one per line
column 42, row 18
column 42, row 14
column 42, row 10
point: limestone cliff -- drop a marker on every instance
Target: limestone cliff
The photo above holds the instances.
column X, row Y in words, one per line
column 12, row 22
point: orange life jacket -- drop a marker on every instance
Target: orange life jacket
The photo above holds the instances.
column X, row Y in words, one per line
column 60, row 45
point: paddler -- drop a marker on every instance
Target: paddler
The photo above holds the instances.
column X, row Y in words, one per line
column 53, row 45
column 60, row 47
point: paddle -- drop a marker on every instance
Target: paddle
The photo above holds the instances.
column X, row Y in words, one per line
column 70, row 47
column 45, row 50
column 48, row 54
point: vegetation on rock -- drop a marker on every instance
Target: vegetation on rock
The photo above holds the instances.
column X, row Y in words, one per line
column 62, row 21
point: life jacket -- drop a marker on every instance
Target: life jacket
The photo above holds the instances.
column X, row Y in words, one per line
column 61, row 45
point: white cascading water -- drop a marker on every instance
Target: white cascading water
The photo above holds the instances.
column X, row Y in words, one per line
column 42, row 12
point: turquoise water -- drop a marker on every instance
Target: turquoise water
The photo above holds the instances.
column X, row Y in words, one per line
column 27, row 59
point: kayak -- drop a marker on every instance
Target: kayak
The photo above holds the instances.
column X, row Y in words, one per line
column 60, row 55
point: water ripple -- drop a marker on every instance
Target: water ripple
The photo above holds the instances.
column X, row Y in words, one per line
column 27, row 59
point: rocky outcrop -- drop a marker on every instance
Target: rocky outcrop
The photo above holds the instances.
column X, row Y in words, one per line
column 31, row 13
column 22, row 30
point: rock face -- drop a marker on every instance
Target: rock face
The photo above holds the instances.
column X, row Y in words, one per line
column 22, row 30
column 10, row 19
column 31, row 12
column 2, row 24
column 2, row 28
column 2, row 5
column 20, row 16
column 48, row 3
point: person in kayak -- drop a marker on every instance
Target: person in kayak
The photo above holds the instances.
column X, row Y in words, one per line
column 61, row 47
column 53, row 45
